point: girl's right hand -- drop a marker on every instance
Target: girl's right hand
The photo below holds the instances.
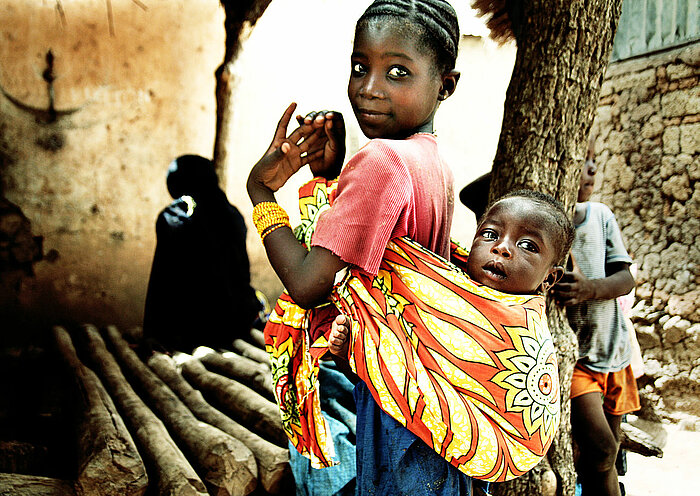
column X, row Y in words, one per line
column 285, row 156
column 331, row 142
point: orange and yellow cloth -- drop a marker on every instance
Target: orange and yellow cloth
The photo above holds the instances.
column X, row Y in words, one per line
column 470, row 370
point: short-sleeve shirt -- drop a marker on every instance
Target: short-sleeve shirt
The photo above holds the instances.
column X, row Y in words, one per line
column 389, row 188
column 604, row 344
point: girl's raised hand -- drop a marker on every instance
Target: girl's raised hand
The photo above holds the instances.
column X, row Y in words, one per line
column 329, row 149
column 285, row 155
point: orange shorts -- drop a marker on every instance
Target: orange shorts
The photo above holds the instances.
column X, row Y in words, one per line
column 619, row 389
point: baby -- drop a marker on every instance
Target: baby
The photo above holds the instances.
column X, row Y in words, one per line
column 520, row 246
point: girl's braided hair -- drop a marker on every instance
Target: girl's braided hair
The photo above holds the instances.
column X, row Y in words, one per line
column 436, row 19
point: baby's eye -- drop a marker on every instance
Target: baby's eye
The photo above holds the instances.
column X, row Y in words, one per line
column 358, row 69
column 528, row 245
column 397, row 72
column 489, row 234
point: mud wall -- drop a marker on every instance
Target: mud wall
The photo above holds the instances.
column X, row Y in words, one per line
column 647, row 132
column 94, row 105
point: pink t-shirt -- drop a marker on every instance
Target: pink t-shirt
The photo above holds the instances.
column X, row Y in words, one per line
column 389, row 188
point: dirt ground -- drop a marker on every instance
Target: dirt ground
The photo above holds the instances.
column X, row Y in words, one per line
column 677, row 473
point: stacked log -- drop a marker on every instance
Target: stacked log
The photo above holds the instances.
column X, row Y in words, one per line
column 273, row 461
column 248, row 350
column 255, row 412
column 246, row 371
column 172, row 472
column 32, row 485
column 108, row 462
column 636, row 440
column 162, row 429
column 226, row 465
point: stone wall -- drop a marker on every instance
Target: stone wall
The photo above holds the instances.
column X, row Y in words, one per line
column 647, row 137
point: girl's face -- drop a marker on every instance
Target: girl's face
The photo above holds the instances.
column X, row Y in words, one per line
column 394, row 89
column 513, row 251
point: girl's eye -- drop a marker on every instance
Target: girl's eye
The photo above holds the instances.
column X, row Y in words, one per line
column 528, row 245
column 358, row 69
column 397, row 72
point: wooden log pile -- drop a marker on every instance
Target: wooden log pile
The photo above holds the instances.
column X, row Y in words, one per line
column 183, row 425
column 162, row 427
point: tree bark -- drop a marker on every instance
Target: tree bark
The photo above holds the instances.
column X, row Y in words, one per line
column 226, row 465
column 173, row 473
column 563, row 48
column 255, row 412
column 32, row 485
column 274, row 471
column 108, row 461
column 241, row 16
column 246, row 371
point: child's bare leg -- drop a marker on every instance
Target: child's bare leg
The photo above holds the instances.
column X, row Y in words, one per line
column 338, row 340
column 597, row 436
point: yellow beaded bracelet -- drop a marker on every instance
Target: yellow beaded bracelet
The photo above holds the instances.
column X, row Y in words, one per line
column 269, row 230
column 264, row 208
column 268, row 214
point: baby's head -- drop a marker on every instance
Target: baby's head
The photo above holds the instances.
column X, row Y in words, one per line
column 402, row 65
column 521, row 243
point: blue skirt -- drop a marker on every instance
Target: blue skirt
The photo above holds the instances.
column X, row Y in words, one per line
column 393, row 461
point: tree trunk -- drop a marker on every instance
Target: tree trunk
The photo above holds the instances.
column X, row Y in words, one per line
column 108, row 462
column 172, row 472
column 563, row 51
column 225, row 464
column 241, row 16
column 273, row 462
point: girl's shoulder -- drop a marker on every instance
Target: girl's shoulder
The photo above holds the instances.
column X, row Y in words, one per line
column 398, row 151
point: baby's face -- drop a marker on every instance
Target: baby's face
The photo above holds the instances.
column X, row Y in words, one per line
column 512, row 250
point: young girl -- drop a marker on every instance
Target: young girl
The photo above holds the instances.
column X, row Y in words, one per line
column 402, row 67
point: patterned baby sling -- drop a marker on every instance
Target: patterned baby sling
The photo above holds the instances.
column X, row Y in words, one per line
column 468, row 369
